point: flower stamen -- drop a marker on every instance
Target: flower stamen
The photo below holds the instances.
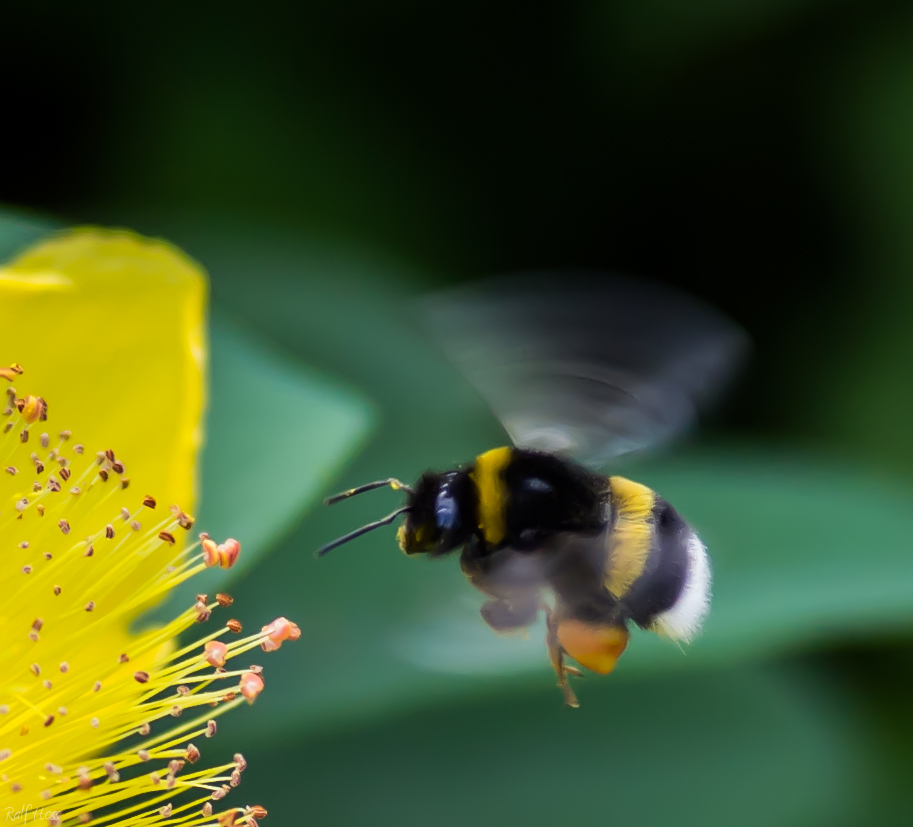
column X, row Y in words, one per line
column 78, row 683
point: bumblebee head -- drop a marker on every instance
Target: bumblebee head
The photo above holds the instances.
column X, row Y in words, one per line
column 439, row 513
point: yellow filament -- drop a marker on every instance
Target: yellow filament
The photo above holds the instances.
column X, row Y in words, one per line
column 75, row 682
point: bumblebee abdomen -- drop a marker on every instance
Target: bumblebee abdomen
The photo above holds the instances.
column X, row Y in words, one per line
column 657, row 567
column 686, row 614
column 662, row 579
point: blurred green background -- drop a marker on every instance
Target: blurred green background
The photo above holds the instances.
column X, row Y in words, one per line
column 326, row 162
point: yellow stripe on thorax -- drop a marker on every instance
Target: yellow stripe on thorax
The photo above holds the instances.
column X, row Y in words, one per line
column 488, row 476
column 632, row 534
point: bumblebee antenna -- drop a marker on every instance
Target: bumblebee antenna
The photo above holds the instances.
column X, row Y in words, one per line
column 395, row 484
column 364, row 529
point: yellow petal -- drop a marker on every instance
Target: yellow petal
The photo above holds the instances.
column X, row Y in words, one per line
column 109, row 328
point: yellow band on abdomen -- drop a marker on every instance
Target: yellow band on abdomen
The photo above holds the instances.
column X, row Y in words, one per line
column 632, row 534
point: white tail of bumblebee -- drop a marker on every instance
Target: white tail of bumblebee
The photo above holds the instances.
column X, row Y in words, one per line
column 683, row 621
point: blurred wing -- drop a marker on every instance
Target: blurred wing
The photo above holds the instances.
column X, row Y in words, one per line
column 589, row 365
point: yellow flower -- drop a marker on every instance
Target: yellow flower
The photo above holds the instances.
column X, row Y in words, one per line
column 99, row 723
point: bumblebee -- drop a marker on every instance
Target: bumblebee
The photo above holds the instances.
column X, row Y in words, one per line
column 579, row 371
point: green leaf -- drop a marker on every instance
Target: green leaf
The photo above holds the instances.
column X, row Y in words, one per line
column 753, row 747
column 18, row 229
column 276, row 434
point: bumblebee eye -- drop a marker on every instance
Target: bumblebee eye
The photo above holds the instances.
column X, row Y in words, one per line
column 445, row 510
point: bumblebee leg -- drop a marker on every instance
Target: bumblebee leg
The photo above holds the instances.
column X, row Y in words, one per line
column 556, row 656
column 509, row 615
